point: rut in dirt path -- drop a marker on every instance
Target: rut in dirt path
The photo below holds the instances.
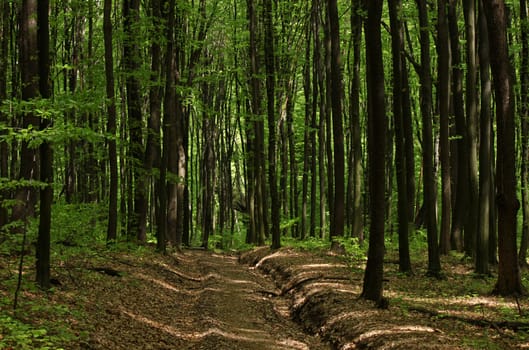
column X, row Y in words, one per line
column 190, row 300
column 239, row 308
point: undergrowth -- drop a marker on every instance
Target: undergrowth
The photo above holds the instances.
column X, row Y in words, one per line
column 79, row 232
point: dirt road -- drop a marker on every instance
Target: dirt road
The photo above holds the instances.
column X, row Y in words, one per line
column 196, row 300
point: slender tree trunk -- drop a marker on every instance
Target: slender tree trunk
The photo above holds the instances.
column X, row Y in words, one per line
column 170, row 160
column 256, row 137
column 444, row 109
column 4, row 150
column 409, row 141
column 46, row 153
column 317, row 98
column 208, row 175
column 485, row 154
column 326, row 125
column 337, row 127
column 524, row 116
column 434, row 263
column 28, row 59
column 509, row 279
column 470, row 232
column 132, row 62
column 152, row 149
column 111, row 124
column 400, row 162
column 372, row 288
column 308, row 146
column 460, row 207
column 294, row 201
column 270, row 94
column 356, row 132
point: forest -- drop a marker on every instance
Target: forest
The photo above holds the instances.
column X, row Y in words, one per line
column 332, row 156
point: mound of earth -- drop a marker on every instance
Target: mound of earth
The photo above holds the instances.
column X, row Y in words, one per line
column 324, row 292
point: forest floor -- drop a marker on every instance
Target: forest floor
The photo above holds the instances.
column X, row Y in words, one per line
column 287, row 299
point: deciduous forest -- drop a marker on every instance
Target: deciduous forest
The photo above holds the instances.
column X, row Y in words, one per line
column 264, row 174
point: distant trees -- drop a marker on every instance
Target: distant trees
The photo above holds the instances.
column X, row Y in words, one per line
column 211, row 122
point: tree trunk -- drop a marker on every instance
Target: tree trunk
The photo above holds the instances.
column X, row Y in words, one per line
column 111, row 124
column 485, row 145
column 132, row 63
column 444, row 111
column 308, row 146
column 26, row 197
column 256, row 138
column 372, row 287
column 270, row 94
column 46, row 153
column 409, row 141
column 524, row 116
column 355, row 170
column 509, row 279
column 434, row 263
column 400, row 161
column 326, row 126
column 470, row 232
column 337, row 127
column 460, row 207
column 170, row 160
column 4, row 150
column 317, row 98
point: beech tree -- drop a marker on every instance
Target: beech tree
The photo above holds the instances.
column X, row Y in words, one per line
column 429, row 192
column 372, row 288
column 509, row 279
column 46, row 153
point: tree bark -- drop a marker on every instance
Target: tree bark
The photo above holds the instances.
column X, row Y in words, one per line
column 524, row 116
column 372, row 287
column 509, row 279
column 111, row 124
column 132, row 63
column 461, row 185
column 444, row 111
column 485, row 153
column 470, row 232
column 434, row 263
column 46, row 153
column 400, row 156
column 355, row 170
column 256, row 138
column 4, row 150
column 26, row 197
column 337, row 123
column 270, row 94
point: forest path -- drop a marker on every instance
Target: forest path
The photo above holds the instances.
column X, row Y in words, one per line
column 192, row 300
column 202, row 300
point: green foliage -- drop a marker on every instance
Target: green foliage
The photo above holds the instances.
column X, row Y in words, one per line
column 26, row 329
column 80, row 225
column 310, row 243
column 18, row 335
